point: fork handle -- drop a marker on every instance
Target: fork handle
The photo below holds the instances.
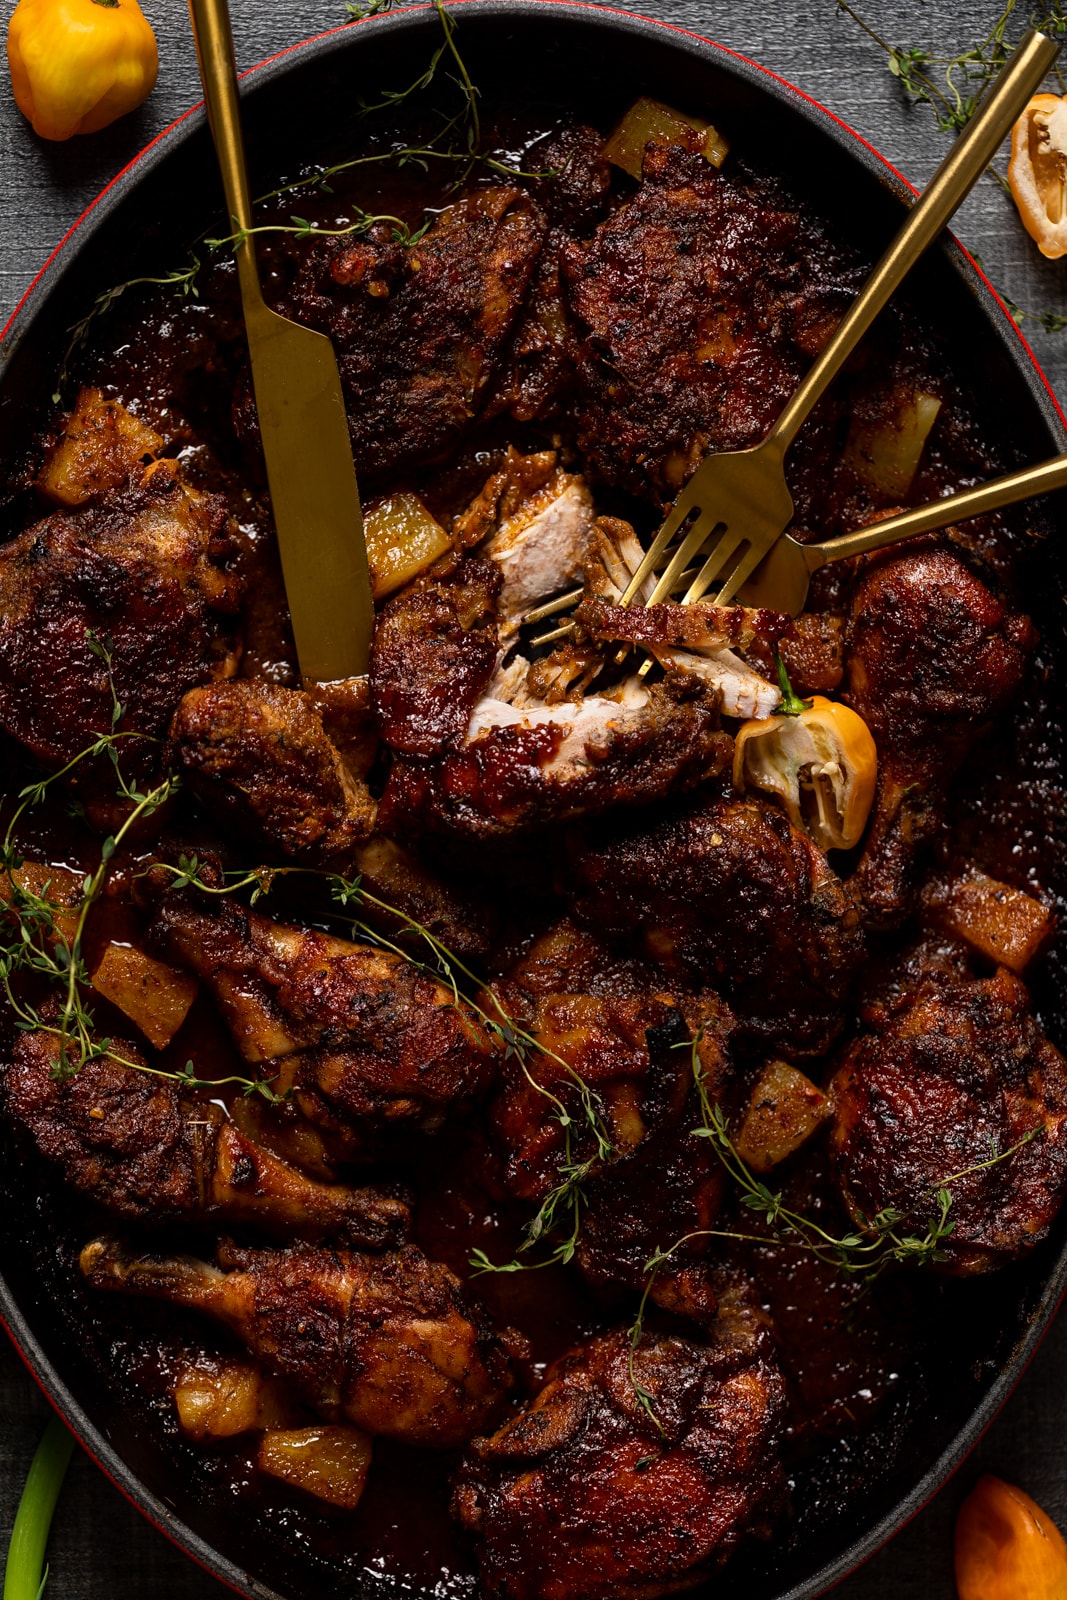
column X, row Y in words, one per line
column 218, row 74
column 1006, row 491
column 952, row 181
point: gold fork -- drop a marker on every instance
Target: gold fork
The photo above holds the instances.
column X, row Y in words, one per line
column 780, row 582
column 742, row 495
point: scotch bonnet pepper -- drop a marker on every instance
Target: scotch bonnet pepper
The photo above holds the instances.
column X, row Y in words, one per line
column 76, row 65
column 1007, row 1548
column 819, row 758
column 1037, row 172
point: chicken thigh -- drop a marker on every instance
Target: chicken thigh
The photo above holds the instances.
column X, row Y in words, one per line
column 953, row 1084
column 594, row 1492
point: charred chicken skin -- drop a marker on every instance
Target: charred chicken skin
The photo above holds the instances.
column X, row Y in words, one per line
column 933, row 657
column 609, row 1024
column 387, row 1342
column 131, row 1142
column 144, row 571
column 358, row 1033
column 691, row 302
column 585, row 1495
column 951, row 1075
column 420, row 330
column 258, row 754
column 727, row 891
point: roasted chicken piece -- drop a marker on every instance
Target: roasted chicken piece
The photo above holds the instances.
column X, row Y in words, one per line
column 420, row 330
column 950, row 1075
column 609, row 1025
column 434, row 652
column 526, row 764
column 726, row 892
column 145, row 570
column 606, row 1023
column 588, row 1495
column 390, row 1343
column 359, row 1034
column 259, row 755
column 933, row 657
column 267, row 762
column 149, row 1153
column 690, row 321
column 535, row 522
column 538, row 368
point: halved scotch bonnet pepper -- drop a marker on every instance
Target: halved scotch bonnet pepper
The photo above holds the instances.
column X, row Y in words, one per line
column 818, row 756
column 1037, row 172
column 76, row 65
column 1007, row 1548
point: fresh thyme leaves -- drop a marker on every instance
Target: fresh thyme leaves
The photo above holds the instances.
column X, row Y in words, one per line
column 301, row 228
column 42, row 938
column 558, row 1220
column 373, row 8
column 878, row 1242
column 635, row 1332
column 1051, row 321
column 953, row 85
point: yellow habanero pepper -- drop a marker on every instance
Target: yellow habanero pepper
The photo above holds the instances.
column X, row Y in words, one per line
column 76, row 65
column 1037, row 172
column 819, row 758
column 1007, row 1548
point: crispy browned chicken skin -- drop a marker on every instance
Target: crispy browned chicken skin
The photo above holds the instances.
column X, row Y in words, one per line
column 435, row 647
column 951, row 1072
column 611, row 1023
column 726, row 892
column 145, row 570
column 933, row 657
column 582, row 1496
column 265, row 762
column 132, row 1142
column 691, row 301
column 420, row 330
column 520, row 772
column 258, row 754
column 389, row 1342
column 359, row 1033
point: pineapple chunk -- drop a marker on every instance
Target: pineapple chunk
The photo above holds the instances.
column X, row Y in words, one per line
column 101, row 445
column 328, row 1462
column 887, row 455
column 220, row 1396
column 784, row 1110
column 403, row 539
column 999, row 922
column 154, row 996
column 651, row 122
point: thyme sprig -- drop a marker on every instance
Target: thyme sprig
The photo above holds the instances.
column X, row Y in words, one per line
column 558, row 1218
column 456, row 141
column 953, row 85
column 182, row 281
column 43, row 939
column 301, row 228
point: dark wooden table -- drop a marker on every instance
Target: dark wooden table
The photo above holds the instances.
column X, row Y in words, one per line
column 101, row 1549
